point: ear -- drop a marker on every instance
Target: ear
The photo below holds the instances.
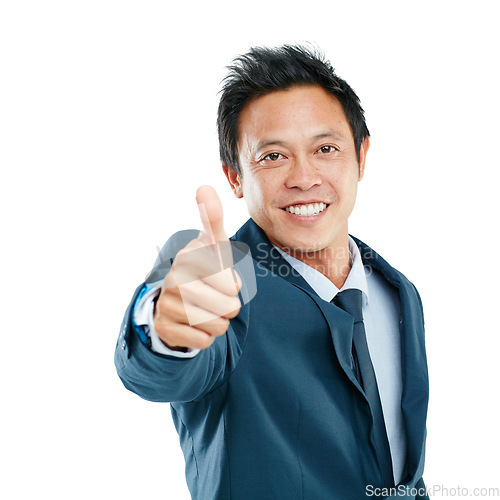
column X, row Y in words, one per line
column 365, row 145
column 234, row 180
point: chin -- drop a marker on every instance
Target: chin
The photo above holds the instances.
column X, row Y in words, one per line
column 302, row 246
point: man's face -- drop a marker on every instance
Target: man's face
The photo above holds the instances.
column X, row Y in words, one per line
column 299, row 168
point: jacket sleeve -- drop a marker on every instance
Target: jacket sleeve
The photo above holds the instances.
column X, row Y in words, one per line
column 165, row 378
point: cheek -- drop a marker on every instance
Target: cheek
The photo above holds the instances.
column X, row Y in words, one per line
column 347, row 184
column 350, row 193
column 253, row 196
column 258, row 192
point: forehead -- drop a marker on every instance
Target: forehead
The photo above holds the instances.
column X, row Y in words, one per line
column 300, row 111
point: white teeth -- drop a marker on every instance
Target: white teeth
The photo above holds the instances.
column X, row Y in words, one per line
column 306, row 210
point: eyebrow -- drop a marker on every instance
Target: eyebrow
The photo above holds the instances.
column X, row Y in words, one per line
column 278, row 142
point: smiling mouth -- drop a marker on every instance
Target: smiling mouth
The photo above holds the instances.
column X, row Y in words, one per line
column 306, row 210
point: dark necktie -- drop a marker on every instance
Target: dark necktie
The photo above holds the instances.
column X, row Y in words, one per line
column 350, row 301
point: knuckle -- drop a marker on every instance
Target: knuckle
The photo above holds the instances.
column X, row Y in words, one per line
column 157, row 324
column 158, row 317
column 162, row 330
column 161, row 311
column 233, row 313
column 234, row 308
column 221, row 326
column 168, row 282
column 205, row 341
column 159, row 305
column 169, row 341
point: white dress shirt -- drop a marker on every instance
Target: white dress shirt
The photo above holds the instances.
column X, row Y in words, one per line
column 381, row 320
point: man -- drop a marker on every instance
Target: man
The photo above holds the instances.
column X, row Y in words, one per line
column 317, row 387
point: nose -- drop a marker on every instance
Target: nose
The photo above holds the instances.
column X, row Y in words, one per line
column 303, row 175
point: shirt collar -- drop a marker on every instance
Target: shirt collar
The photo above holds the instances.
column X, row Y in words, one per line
column 322, row 285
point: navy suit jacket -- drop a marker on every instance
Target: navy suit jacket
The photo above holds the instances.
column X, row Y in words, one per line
column 272, row 409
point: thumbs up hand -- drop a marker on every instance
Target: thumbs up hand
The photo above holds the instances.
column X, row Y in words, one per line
column 200, row 293
column 211, row 215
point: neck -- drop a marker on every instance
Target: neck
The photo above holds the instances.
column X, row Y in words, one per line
column 334, row 261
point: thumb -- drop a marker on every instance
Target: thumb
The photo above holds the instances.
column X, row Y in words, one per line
column 211, row 214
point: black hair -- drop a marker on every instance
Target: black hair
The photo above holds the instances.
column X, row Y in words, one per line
column 263, row 70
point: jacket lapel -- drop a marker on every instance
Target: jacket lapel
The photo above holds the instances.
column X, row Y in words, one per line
column 413, row 360
column 415, row 377
column 339, row 322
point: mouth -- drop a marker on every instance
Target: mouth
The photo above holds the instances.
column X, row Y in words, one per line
column 306, row 209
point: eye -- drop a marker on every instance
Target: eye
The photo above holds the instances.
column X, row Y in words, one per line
column 326, row 149
column 273, row 157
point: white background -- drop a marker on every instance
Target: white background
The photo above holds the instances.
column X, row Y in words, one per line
column 107, row 114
